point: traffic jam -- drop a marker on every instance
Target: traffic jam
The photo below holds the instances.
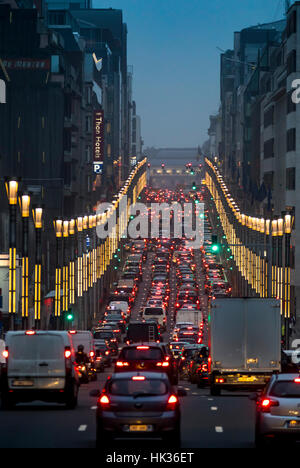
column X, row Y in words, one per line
column 160, row 338
column 153, row 335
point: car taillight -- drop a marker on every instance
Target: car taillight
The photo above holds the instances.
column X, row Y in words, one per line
column 142, row 347
column 68, row 353
column 138, row 378
column 204, row 367
column 30, row 333
column 104, row 401
column 172, row 402
column 266, row 405
column 107, row 353
column 5, row 354
column 163, row 364
column 92, row 354
column 122, row 364
column 297, row 380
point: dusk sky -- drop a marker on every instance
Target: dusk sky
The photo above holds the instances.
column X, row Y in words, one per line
column 172, row 45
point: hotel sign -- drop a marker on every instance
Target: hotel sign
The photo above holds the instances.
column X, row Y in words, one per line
column 98, row 140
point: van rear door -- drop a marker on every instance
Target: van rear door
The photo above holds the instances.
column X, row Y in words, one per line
column 36, row 361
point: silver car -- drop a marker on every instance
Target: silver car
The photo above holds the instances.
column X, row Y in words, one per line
column 278, row 410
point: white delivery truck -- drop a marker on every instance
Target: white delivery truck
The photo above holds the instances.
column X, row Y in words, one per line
column 245, row 343
column 193, row 316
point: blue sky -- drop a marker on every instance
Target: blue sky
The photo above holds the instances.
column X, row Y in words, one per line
column 172, row 45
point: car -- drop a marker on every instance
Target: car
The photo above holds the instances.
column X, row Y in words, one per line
column 146, row 357
column 198, row 368
column 117, row 319
column 108, row 335
column 138, row 404
column 39, row 365
column 103, row 355
column 278, row 410
column 121, row 305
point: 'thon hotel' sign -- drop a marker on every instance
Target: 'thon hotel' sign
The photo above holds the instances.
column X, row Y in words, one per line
column 98, row 141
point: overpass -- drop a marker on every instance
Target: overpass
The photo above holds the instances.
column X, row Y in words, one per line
column 171, row 167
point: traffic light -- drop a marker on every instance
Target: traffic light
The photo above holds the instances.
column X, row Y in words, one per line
column 215, row 246
column 70, row 316
column 194, row 186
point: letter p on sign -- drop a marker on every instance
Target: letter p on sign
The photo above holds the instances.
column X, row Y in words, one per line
column 2, row 92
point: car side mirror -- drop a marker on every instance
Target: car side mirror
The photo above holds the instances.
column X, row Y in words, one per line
column 181, row 392
column 95, row 393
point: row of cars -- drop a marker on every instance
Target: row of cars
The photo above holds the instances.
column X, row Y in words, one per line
column 108, row 334
column 216, row 283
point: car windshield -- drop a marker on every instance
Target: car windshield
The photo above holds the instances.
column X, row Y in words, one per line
column 286, row 389
column 136, row 388
column 153, row 311
column 135, row 354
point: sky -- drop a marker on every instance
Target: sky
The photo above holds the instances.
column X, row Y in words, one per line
column 172, row 46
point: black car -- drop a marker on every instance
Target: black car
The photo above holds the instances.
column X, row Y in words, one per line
column 138, row 404
column 146, row 357
column 110, row 337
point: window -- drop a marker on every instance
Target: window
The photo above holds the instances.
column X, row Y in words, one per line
column 269, row 117
column 125, row 387
column 291, row 178
column 88, row 123
column 88, row 153
column 269, row 180
column 269, row 149
column 291, row 63
column 291, row 139
column 292, row 24
column 290, row 105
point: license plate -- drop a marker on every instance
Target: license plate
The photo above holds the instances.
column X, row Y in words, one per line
column 247, row 379
column 22, row 383
column 140, row 428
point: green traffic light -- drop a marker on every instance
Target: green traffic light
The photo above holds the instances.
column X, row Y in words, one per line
column 70, row 317
column 215, row 248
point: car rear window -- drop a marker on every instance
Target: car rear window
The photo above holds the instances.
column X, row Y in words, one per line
column 134, row 354
column 153, row 311
column 103, row 335
column 286, row 389
column 132, row 387
column 23, row 347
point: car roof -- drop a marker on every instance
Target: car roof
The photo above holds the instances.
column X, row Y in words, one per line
column 149, row 375
column 143, row 343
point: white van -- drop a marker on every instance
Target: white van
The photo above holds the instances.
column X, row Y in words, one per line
column 40, row 365
column 155, row 313
column 84, row 338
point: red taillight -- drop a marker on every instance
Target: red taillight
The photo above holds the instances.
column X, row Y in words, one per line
column 172, row 402
column 30, row 332
column 92, row 354
column 266, row 405
column 139, row 378
column 104, row 400
column 142, row 347
column 163, row 364
column 122, row 364
column 5, row 354
column 297, row 380
column 73, row 332
column 68, row 353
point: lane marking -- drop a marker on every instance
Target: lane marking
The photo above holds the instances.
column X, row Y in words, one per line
column 93, row 408
column 82, row 428
column 214, row 408
column 219, row 429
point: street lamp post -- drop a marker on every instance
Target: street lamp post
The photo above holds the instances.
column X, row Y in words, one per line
column 65, row 271
column 12, row 195
column 24, row 202
column 79, row 223
column 38, row 224
column 58, row 226
column 288, row 225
